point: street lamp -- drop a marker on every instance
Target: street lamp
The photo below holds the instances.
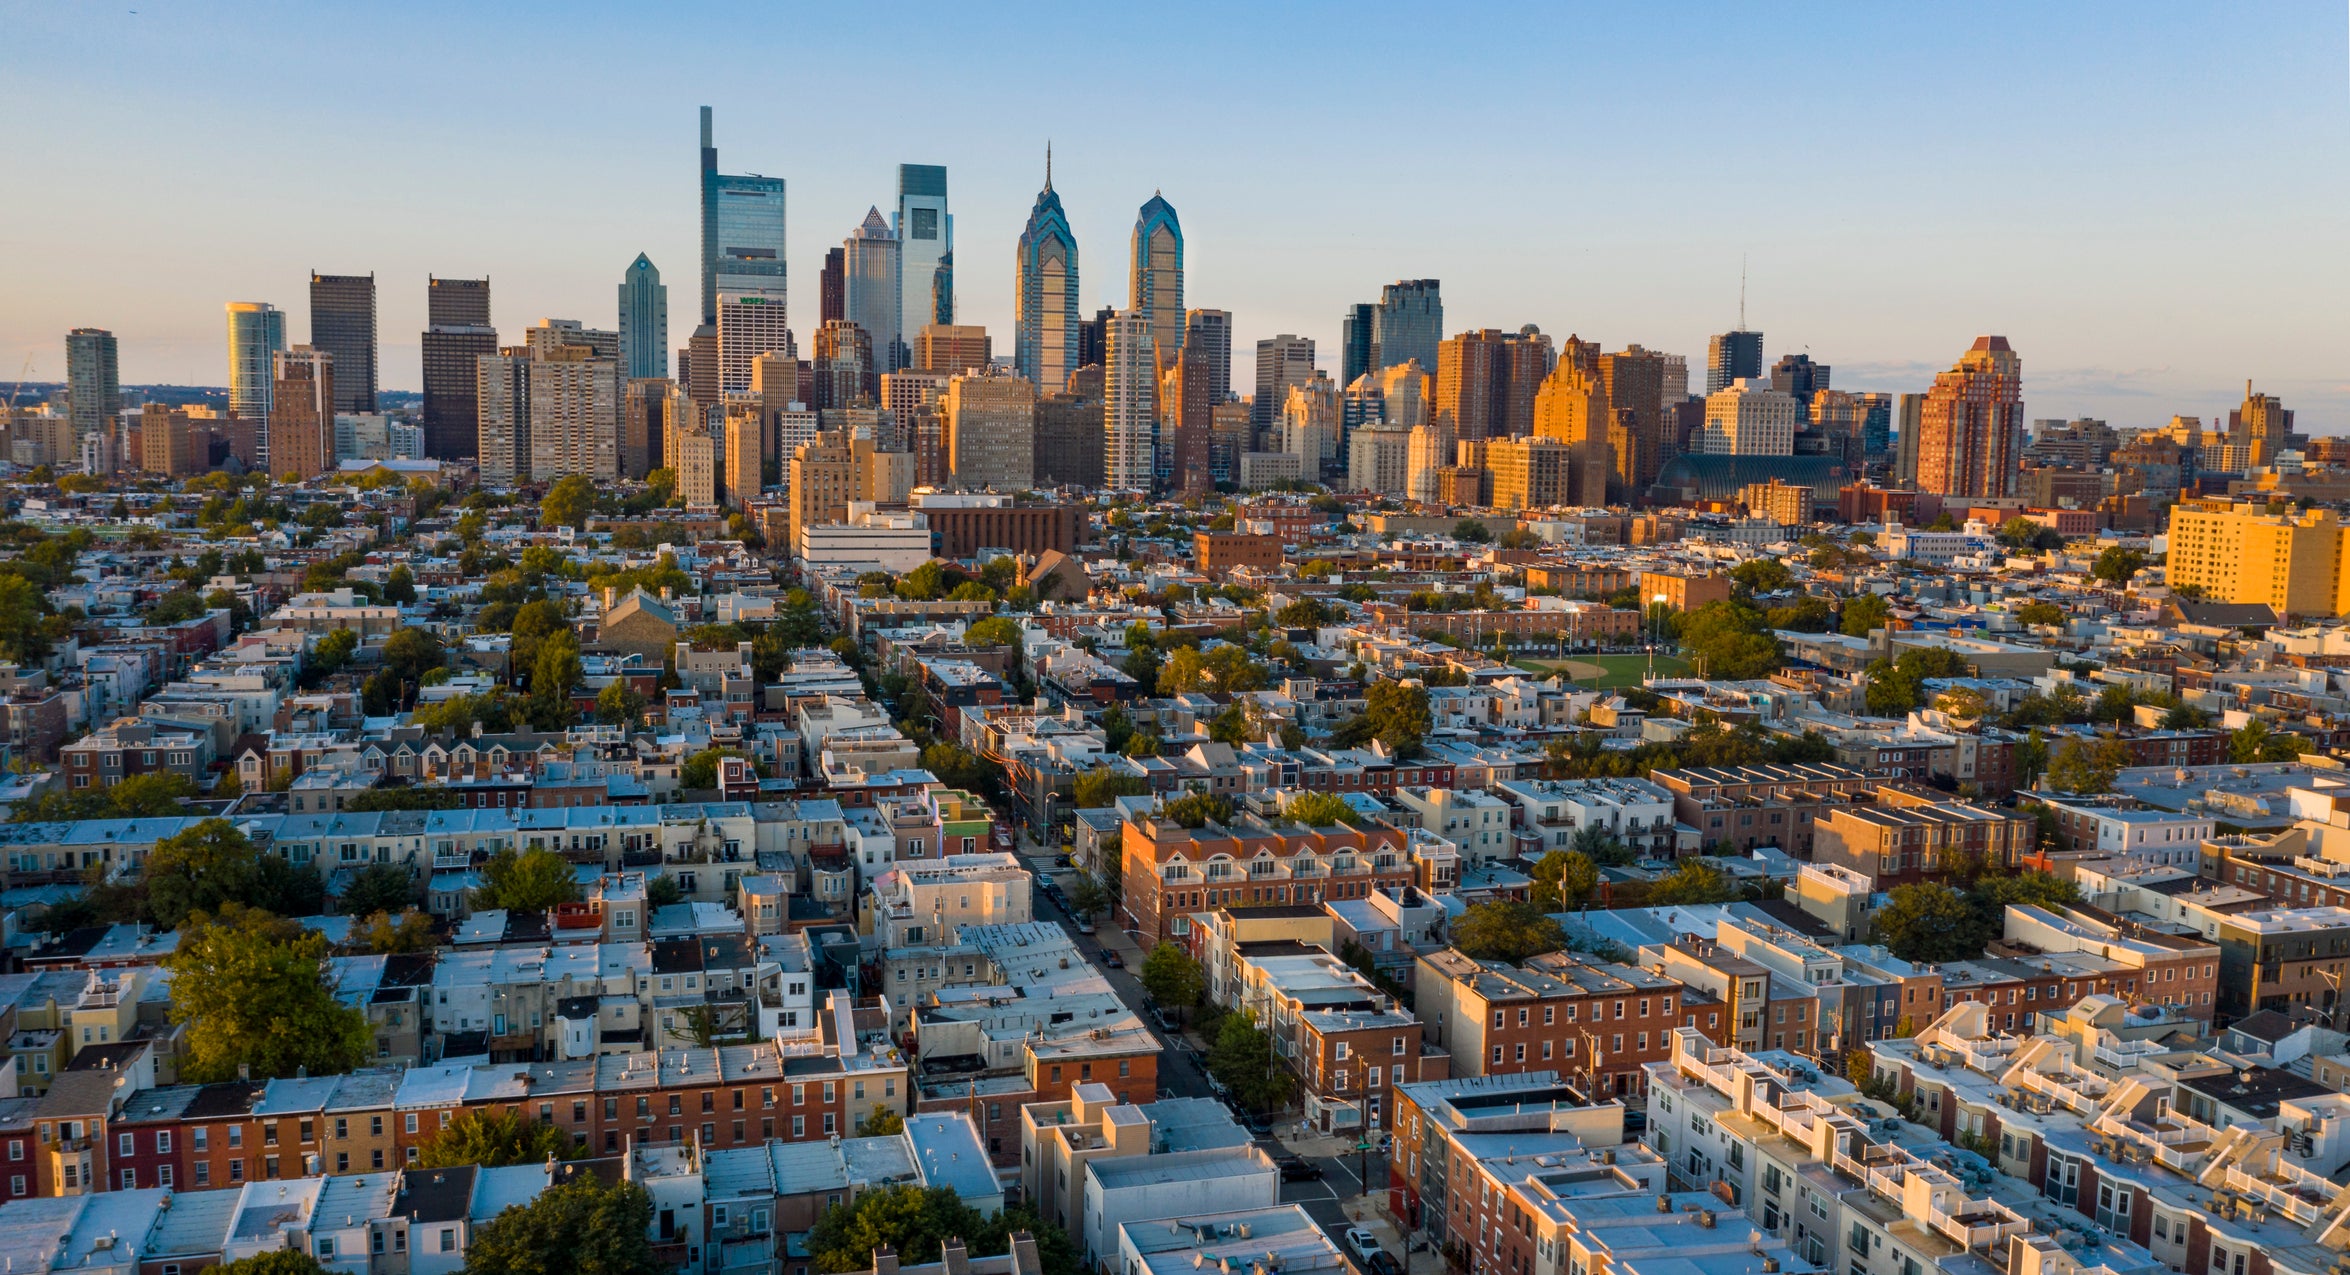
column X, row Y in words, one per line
column 1655, row 628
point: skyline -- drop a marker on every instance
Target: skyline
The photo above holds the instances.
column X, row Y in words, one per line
column 2132, row 281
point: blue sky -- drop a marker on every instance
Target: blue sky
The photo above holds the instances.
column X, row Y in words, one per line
column 2146, row 199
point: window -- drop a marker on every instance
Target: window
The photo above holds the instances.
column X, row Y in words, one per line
column 448, row 1239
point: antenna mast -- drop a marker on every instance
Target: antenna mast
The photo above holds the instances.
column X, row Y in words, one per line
column 1742, row 292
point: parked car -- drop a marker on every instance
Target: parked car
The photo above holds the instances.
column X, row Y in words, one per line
column 1296, row 1168
column 1256, row 1124
column 1384, row 1263
column 1362, row 1243
column 1085, row 925
column 1111, row 958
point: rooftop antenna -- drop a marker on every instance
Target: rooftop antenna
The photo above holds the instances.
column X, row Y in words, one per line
column 1048, row 163
column 1742, row 292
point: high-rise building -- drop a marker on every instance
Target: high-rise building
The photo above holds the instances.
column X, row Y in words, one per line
column 1045, row 341
column 872, row 271
column 1129, row 401
column 502, row 390
column 1069, row 440
column 742, row 231
column 1430, row 453
column 648, row 406
column 1876, row 427
column 1378, row 457
column 1530, row 473
column 905, row 395
column 1748, row 418
column 1355, row 342
column 1486, row 381
column 1409, row 323
column 1635, row 382
column 457, row 334
column 991, row 431
column 1310, row 427
column 342, row 323
column 644, row 321
column 1732, row 356
column 750, row 324
column 1282, row 361
column 1970, row 428
column 831, row 288
column 302, row 413
column 926, row 241
column 1912, row 411
column 94, row 379
column 952, row 348
column 1834, row 428
column 1211, row 331
column 1404, row 394
column 575, row 401
column 1572, row 408
column 2257, row 430
column 256, row 336
column 1797, row 376
column 2292, row 562
column 1187, row 405
column 1155, row 285
column 844, row 367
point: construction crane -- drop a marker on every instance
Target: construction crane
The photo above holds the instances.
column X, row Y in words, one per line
column 23, row 374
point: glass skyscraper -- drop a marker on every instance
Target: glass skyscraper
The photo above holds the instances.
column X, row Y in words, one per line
column 1732, row 356
column 644, row 321
column 926, row 242
column 742, row 231
column 256, row 336
column 1409, row 324
column 1156, row 289
column 342, row 323
column 872, row 274
column 1044, row 298
column 1355, row 342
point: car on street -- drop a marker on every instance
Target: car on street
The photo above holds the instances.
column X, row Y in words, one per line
column 1363, row 1244
column 1085, row 925
column 1112, row 959
column 1256, row 1124
column 1383, row 1263
column 1296, row 1168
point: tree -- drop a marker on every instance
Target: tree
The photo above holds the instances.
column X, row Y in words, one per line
column 383, row 933
column 2259, row 742
column 1397, row 715
column 1101, row 785
column 1230, row 726
column 579, row 1225
column 1506, row 930
column 959, row 767
column 1695, row 881
column 1172, row 977
column 1227, row 669
column 275, row 1261
column 992, row 632
column 1241, row 1057
column 528, row 881
column 494, row 1136
column 329, row 656
column 2079, row 766
column 1727, row 640
column 1196, row 809
column 700, row 771
column 1321, row 810
column 213, row 865
column 252, row 991
column 154, row 795
column 2118, row 565
column 1088, row 897
column 1927, row 921
column 880, row 1123
column 556, row 670
column 1762, row 575
column 1864, row 612
column 2039, row 613
column 619, row 704
column 912, row 1220
column 1564, row 879
column 408, row 655
column 1471, row 531
column 568, row 503
column 1305, row 613
column 663, row 891
column 400, row 586
column 379, row 887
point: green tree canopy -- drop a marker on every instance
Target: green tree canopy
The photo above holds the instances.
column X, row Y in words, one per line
column 1241, row 1056
column 1173, row 977
column 2118, row 565
column 1196, row 809
column 252, row 991
column 1101, row 785
column 910, row 1219
column 276, row 1261
column 1863, row 612
column 211, row 865
column 1506, row 930
column 2039, row 613
column 579, row 1226
column 994, row 631
column 528, row 880
column 379, row 887
column 1564, row 879
column 1927, row 921
column 1321, row 810
column 568, row 503
column 1695, row 881
column 700, row 771
column 492, row 1137
column 1762, row 575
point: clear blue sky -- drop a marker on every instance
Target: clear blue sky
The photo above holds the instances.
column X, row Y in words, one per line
column 2146, row 199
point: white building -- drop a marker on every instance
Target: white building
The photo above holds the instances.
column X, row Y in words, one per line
column 1553, row 811
column 892, row 541
column 1749, row 418
column 1130, row 397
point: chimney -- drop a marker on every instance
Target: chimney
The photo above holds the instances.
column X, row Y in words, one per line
column 952, row 1257
column 1024, row 1258
column 885, row 1261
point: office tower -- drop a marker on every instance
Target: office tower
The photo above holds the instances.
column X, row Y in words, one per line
column 1069, row 440
column 905, row 395
column 750, row 324
column 1045, row 341
column 1378, row 457
column 823, row 479
column 871, row 270
column 256, row 336
column 1732, row 356
column 1187, row 405
column 1572, row 408
column 742, row 231
column 1404, row 394
column 1876, row 429
column 991, row 431
column 1748, row 418
column 844, row 367
column 952, row 348
column 741, row 450
column 698, row 369
column 1833, row 428
column 302, row 413
column 648, row 406
column 1912, row 411
column 1635, row 383
column 1282, row 361
column 1676, row 379
column 1409, row 323
column 1155, row 283
column 701, row 465
column 926, row 239
column 457, row 334
column 1129, row 401
column 1359, row 404
column 1355, row 342
column 2256, row 430
column 1309, row 424
column 1798, row 376
column 575, row 400
column 1486, row 381
column 1093, row 339
column 342, row 323
column 1971, row 422
column 1211, row 331
column 1530, row 473
column 1431, row 451
column 831, row 288
column 644, row 321
column 502, row 390
column 93, row 378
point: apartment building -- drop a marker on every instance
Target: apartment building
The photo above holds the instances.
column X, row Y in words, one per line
column 1348, row 1043
column 1170, row 871
column 1551, row 813
column 1748, row 806
column 1907, row 837
column 1598, row 1024
column 1476, row 822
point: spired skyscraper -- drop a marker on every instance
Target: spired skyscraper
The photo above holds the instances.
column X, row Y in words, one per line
column 644, row 321
column 926, row 247
column 456, row 335
column 256, row 336
column 1156, row 290
column 1044, row 295
column 872, row 272
column 742, row 232
column 342, row 323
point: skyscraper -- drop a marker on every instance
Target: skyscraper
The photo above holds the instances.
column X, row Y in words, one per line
column 1355, row 341
column 991, row 431
column 256, row 335
column 1731, row 356
column 457, row 333
column 302, row 413
column 872, row 270
column 1129, row 401
column 1911, row 409
column 1211, row 331
column 1188, row 407
column 502, row 392
column 1572, row 407
column 342, row 323
column 1971, row 421
column 1093, row 338
column 2256, row 430
column 1486, row 381
column 576, row 395
column 1044, row 294
column 1156, row 282
column 1409, row 323
column 1796, row 375
column 926, row 242
column 742, row 230
column 644, row 321
column 1282, row 361
column 1635, row 384
column 831, row 291
column 93, row 377
column 952, row 348
column 1748, row 418
column 844, row 366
